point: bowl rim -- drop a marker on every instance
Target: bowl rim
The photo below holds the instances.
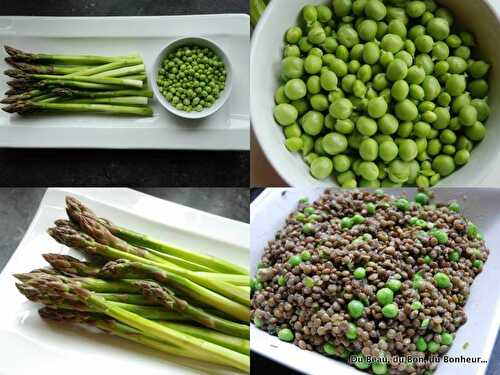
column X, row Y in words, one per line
column 216, row 48
column 289, row 179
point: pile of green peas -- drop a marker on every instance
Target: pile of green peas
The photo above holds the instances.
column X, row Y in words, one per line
column 381, row 93
column 191, row 78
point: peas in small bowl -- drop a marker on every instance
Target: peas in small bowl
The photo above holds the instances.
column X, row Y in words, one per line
column 192, row 77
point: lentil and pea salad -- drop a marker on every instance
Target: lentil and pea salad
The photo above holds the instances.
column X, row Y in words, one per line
column 364, row 276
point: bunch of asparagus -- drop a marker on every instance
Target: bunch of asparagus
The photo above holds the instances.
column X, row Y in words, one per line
column 174, row 300
column 82, row 83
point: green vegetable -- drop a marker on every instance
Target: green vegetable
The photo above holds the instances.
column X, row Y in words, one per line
column 387, row 93
column 359, row 273
column 286, row 334
column 355, row 309
column 385, row 296
column 442, row 280
column 390, row 311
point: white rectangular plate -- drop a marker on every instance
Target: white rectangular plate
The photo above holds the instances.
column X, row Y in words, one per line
column 227, row 129
column 27, row 341
column 267, row 215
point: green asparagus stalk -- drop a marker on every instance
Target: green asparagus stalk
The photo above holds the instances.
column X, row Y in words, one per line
column 28, row 106
column 92, row 71
column 67, row 301
column 125, row 100
column 230, row 342
column 213, row 281
column 67, row 92
column 72, row 238
column 168, row 299
column 120, row 72
column 43, row 69
column 66, row 59
column 46, row 289
column 157, row 331
column 74, row 206
column 124, row 331
column 101, row 80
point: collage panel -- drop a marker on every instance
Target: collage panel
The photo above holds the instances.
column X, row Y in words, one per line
column 124, row 93
column 144, row 281
column 373, row 93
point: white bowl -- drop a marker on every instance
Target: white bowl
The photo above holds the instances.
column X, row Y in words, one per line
column 202, row 42
column 265, row 59
column 267, row 215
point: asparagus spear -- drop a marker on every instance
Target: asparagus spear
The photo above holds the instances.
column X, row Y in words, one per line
column 231, row 342
column 69, row 265
column 155, row 330
column 116, row 328
column 101, row 80
column 101, row 94
column 28, row 106
column 66, row 59
column 67, row 301
column 105, row 68
column 120, row 72
column 214, row 281
column 72, row 238
column 74, row 206
column 125, row 100
column 46, row 288
column 43, row 69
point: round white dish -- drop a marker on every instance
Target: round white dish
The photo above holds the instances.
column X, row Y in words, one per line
column 202, row 42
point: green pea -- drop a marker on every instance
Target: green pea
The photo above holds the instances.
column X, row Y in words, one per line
column 379, row 368
column 352, row 332
column 341, row 109
column 454, row 206
column 355, row 309
column 361, row 362
column 359, row 273
column 438, row 28
column 406, row 110
column 285, row 114
column 295, row 89
column 408, row 150
column 280, row 97
column 385, row 296
column 342, row 8
column 367, row 30
column 328, row 80
column 375, row 10
column 334, row 143
column 468, row 115
column 394, row 285
column 416, row 305
column 368, row 170
column 295, row 260
column 292, row 67
column 396, row 70
column 293, row 35
column 390, row 310
column 286, row 334
column 433, row 347
column 321, row 168
column 377, row 107
column 366, row 126
column 476, row 132
column 442, row 280
column 398, row 171
column 329, row 349
column 421, row 344
column 368, row 149
column 446, row 338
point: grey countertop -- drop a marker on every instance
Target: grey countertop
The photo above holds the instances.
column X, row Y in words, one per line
column 47, row 167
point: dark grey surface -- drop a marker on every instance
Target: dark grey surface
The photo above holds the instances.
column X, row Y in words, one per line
column 113, row 167
column 263, row 365
column 18, row 206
